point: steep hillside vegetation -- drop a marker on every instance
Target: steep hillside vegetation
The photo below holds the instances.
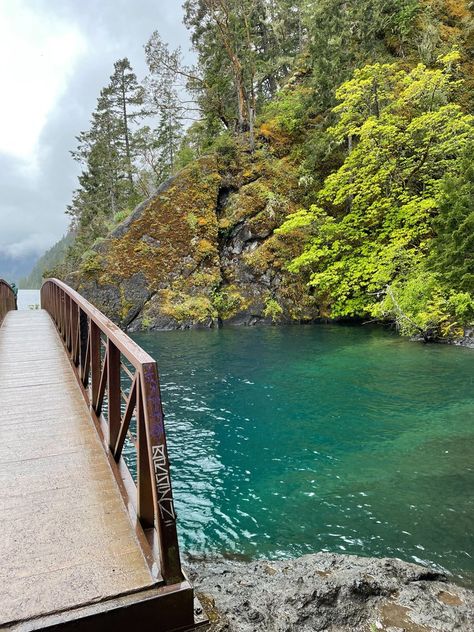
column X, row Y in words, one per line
column 329, row 174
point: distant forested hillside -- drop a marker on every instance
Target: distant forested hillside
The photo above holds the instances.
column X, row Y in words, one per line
column 47, row 263
column 321, row 165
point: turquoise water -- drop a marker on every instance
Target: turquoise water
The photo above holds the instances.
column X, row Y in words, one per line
column 291, row 440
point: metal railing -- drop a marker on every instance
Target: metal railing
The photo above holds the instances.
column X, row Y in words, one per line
column 7, row 299
column 120, row 384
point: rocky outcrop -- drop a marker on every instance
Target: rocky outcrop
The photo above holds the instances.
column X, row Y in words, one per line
column 202, row 251
column 332, row 593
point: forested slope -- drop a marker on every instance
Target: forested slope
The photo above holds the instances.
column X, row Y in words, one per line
column 317, row 163
column 49, row 261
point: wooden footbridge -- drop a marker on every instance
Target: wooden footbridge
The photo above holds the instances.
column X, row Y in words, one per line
column 85, row 542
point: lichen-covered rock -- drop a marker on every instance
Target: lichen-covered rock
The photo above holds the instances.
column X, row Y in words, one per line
column 159, row 268
column 332, row 593
column 202, row 251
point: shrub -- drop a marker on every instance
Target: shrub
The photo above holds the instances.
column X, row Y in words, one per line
column 273, row 310
column 228, row 301
column 91, row 262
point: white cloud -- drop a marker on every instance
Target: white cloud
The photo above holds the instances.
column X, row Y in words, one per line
column 55, row 56
column 37, row 55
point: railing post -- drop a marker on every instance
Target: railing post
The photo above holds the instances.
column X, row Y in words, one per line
column 69, row 336
column 83, row 338
column 62, row 303
column 158, row 459
column 94, row 344
column 75, row 333
column 56, row 307
column 145, row 501
column 113, row 393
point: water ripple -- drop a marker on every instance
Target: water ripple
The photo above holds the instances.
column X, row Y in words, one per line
column 285, row 441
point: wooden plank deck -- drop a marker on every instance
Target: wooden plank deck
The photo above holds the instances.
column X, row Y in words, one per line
column 66, row 539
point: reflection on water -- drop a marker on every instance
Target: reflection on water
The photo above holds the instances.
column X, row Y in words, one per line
column 291, row 440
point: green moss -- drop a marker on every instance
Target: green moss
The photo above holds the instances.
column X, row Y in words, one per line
column 146, row 322
column 192, row 221
column 251, row 199
column 207, row 279
column 226, row 148
column 173, row 219
column 205, row 248
column 121, row 215
column 125, row 305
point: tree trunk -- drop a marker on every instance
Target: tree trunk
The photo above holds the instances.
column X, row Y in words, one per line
column 126, row 132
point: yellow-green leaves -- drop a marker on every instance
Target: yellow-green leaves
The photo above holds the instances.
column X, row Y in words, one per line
column 373, row 222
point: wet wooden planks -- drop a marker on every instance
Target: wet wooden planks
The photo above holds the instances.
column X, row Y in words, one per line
column 65, row 537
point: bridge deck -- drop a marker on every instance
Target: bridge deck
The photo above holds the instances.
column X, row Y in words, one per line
column 65, row 537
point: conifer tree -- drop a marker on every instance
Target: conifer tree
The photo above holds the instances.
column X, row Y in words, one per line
column 167, row 100
column 245, row 50
column 452, row 255
column 126, row 97
column 106, row 152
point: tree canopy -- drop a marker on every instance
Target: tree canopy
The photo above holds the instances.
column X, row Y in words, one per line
column 369, row 104
column 374, row 223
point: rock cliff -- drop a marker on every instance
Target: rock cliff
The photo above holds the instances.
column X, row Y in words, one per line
column 202, row 251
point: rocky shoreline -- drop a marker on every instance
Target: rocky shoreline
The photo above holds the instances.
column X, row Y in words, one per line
column 329, row 592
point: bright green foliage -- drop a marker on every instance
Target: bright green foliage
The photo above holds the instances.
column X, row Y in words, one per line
column 272, row 310
column 90, row 262
column 420, row 305
column 228, row 301
column 283, row 119
column 374, row 219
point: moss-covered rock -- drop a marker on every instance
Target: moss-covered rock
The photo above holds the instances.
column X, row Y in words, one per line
column 203, row 250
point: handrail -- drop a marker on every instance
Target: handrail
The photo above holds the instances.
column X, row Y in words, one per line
column 133, row 413
column 7, row 299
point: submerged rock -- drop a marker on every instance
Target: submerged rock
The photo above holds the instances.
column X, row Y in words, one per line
column 330, row 592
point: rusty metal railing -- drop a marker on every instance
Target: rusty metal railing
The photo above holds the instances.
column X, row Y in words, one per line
column 120, row 384
column 7, row 299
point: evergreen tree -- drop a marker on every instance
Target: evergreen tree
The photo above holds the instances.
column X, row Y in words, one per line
column 245, row 50
column 452, row 254
column 168, row 102
column 101, row 190
column 106, row 152
column 126, row 97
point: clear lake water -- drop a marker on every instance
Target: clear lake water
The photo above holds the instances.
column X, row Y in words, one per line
column 290, row 440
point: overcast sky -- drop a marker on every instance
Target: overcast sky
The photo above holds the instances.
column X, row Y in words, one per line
column 55, row 56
